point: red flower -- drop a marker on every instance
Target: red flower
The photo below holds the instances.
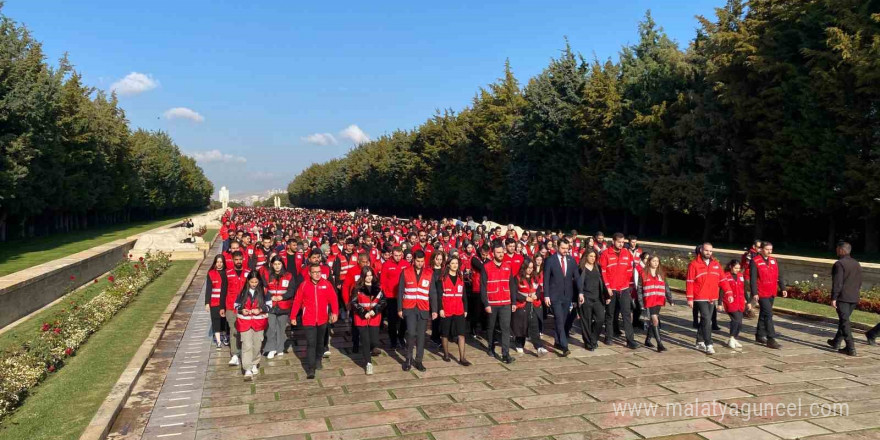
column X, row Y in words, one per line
column 111, row 279
column 72, row 278
column 136, row 266
column 141, row 259
column 96, row 281
column 57, row 330
column 130, row 255
column 51, row 368
column 68, row 351
column 45, row 327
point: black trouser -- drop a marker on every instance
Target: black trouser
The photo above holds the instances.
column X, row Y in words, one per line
column 416, row 326
column 765, row 318
column 356, row 335
column 396, row 326
column 704, row 331
column 714, row 318
column 501, row 316
column 314, row 334
column 592, row 315
column 736, row 322
column 562, row 321
column 844, row 327
column 874, row 332
column 621, row 300
column 534, row 315
column 637, row 313
column 435, row 331
column 370, row 338
column 476, row 315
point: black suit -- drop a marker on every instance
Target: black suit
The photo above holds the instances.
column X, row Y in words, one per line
column 562, row 289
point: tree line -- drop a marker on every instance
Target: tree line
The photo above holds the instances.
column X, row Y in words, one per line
column 766, row 125
column 68, row 158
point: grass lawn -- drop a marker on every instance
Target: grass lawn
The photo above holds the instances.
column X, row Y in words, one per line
column 209, row 235
column 16, row 255
column 27, row 328
column 806, row 307
column 63, row 405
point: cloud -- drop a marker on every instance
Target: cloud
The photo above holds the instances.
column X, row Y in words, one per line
column 262, row 175
column 216, row 156
column 183, row 113
column 320, row 139
column 134, row 83
column 355, row 134
column 352, row 133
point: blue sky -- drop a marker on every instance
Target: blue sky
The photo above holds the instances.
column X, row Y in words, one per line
column 243, row 85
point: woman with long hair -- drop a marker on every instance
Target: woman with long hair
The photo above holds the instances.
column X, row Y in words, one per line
column 592, row 311
column 453, row 306
column 280, row 287
column 539, row 259
column 366, row 303
column 528, row 315
column 734, row 299
column 252, row 310
column 215, row 288
column 438, row 262
column 653, row 294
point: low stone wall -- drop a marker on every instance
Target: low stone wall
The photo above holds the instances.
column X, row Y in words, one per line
column 26, row 291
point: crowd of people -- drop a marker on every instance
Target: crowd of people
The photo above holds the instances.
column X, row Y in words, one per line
column 458, row 278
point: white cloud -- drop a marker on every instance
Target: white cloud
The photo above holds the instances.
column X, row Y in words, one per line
column 262, row 175
column 320, row 139
column 183, row 113
column 134, row 83
column 355, row 134
column 216, row 156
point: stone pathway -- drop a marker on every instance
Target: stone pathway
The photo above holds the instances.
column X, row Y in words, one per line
column 820, row 393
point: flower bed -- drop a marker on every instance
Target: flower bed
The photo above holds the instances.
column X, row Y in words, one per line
column 675, row 266
column 869, row 300
column 27, row 365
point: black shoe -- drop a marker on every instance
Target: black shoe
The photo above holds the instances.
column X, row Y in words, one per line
column 507, row 359
column 835, row 345
column 420, row 367
column 492, row 353
column 566, row 353
column 446, row 358
column 648, row 343
column 715, row 328
column 632, row 345
column 660, row 347
column 406, row 366
column 771, row 343
column 847, row 352
column 558, row 347
column 310, row 375
column 760, row 339
column 464, row 363
column 871, row 340
column 618, row 333
column 355, row 350
column 607, row 341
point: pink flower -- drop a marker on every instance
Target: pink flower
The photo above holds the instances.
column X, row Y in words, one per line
column 111, row 279
column 51, row 368
column 57, row 330
column 68, row 351
column 45, row 327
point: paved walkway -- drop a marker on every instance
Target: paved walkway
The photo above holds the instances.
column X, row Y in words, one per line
column 550, row 397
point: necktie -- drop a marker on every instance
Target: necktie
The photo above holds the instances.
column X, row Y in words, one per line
column 563, row 265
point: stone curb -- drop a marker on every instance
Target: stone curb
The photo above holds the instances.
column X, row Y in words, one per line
column 99, row 427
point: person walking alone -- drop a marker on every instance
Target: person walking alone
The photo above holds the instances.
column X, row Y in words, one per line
column 846, row 284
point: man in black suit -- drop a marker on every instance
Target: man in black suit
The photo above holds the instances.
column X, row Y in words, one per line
column 561, row 288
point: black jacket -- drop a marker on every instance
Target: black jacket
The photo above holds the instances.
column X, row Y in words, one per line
column 846, row 280
column 373, row 292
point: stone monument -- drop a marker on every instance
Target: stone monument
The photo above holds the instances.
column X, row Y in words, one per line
column 224, row 197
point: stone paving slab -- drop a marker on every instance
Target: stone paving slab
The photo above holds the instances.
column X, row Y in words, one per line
column 578, row 397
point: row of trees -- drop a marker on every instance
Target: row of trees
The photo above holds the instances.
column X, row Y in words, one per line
column 69, row 160
column 767, row 124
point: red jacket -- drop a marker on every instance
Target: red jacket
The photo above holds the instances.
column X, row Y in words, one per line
column 314, row 299
column 524, row 289
column 390, row 281
column 215, row 287
column 416, row 289
column 765, row 280
column 255, row 322
column 453, row 298
column 703, row 281
column 734, row 292
column 617, row 269
column 365, row 300
column 516, row 262
column 654, row 290
column 234, row 285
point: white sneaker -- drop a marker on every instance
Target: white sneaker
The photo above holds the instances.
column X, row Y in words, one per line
column 248, row 375
column 738, row 345
column 327, row 354
column 732, row 343
column 271, row 355
column 279, row 354
column 369, row 369
column 701, row 346
column 255, row 370
column 710, row 349
column 519, row 350
column 233, row 361
column 542, row 351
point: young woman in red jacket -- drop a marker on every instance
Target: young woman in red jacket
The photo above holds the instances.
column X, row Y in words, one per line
column 313, row 297
column 529, row 313
column 252, row 317
column 734, row 299
column 653, row 294
column 366, row 304
column 453, row 309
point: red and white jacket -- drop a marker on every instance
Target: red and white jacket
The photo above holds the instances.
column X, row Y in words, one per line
column 734, row 292
column 453, row 300
column 258, row 318
column 314, row 299
column 234, row 284
column 703, row 280
column 617, row 269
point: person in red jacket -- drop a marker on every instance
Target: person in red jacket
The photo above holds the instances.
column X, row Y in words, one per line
column 251, row 308
column 453, row 306
column 280, row 287
column 766, row 282
column 236, row 276
column 528, row 315
column 352, row 276
column 702, row 286
column 314, row 297
column 417, row 303
column 391, row 271
column 616, row 266
column 366, row 305
column 497, row 285
column 215, row 285
column 735, row 302
column 653, row 294
column 510, row 255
